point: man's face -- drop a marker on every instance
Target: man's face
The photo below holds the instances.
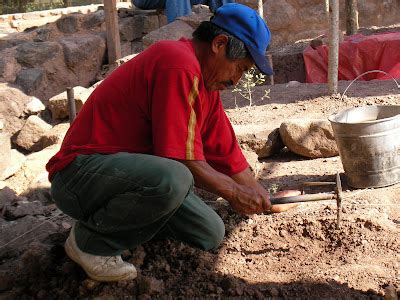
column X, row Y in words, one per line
column 220, row 72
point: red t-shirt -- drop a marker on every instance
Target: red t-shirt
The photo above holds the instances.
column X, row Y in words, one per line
column 157, row 104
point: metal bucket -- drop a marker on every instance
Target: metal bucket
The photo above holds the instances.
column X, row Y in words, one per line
column 368, row 139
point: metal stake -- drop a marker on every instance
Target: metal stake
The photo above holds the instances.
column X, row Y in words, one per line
column 71, row 104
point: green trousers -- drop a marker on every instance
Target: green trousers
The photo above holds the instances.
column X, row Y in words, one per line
column 123, row 200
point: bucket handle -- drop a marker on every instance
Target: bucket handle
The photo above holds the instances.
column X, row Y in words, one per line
column 368, row 72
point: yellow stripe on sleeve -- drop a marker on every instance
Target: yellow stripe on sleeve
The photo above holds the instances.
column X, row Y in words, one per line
column 194, row 93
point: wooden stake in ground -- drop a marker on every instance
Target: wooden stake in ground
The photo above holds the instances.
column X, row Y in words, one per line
column 113, row 40
column 351, row 17
column 333, row 63
column 260, row 8
column 326, row 7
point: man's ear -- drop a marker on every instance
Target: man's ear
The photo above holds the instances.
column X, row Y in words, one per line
column 219, row 43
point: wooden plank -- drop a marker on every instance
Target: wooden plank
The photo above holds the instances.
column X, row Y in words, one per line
column 113, row 40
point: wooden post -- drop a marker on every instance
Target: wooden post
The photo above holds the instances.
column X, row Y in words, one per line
column 71, row 104
column 327, row 8
column 271, row 77
column 260, row 8
column 351, row 17
column 333, row 63
column 113, row 40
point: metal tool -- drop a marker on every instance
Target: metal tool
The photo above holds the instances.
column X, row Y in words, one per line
column 337, row 194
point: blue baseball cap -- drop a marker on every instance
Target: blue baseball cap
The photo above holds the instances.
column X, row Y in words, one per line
column 245, row 24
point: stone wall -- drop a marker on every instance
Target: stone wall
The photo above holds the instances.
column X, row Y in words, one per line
column 293, row 20
column 19, row 22
column 289, row 20
column 68, row 51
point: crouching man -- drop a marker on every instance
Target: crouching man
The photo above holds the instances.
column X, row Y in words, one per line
column 147, row 134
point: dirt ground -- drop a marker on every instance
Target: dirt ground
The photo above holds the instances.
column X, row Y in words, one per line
column 293, row 255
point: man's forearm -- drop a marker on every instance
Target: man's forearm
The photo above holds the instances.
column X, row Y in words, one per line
column 210, row 179
column 241, row 191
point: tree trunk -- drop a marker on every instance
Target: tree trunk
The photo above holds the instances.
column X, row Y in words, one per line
column 67, row 3
column 333, row 63
column 351, row 17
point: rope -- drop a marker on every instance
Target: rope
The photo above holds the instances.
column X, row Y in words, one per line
column 29, row 231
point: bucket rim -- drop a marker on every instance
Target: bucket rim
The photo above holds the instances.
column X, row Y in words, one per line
column 331, row 118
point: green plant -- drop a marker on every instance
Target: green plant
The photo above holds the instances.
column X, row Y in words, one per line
column 246, row 84
column 274, row 188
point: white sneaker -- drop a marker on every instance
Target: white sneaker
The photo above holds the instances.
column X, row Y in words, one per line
column 100, row 268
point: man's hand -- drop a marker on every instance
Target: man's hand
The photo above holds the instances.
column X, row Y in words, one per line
column 277, row 208
column 249, row 200
column 257, row 200
column 244, row 193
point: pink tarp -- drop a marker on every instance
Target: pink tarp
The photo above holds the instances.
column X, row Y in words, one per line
column 357, row 54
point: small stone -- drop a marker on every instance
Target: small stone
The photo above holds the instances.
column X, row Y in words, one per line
column 293, row 84
column 126, row 254
column 210, row 287
column 391, row 293
column 167, row 268
column 90, row 284
column 7, row 281
column 66, row 225
column 283, row 233
column 42, row 294
column 250, row 221
column 138, row 255
column 274, row 292
column 150, row 285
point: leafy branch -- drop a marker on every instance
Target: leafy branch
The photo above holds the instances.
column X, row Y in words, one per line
column 245, row 86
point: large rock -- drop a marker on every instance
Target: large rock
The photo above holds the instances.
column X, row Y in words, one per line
column 9, row 43
column 8, row 197
column 58, row 104
column 43, row 35
column 172, row 31
column 132, row 28
column 272, row 146
column 54, row 136
column 280, row 15
column 11, row 230
column 33, row 167
column 31, row 133
column 32, row 54
column 200, row 13
column 34, row 106
column 12, row 106
column 30, row 79
column 68, row 24
column 94, row 20
column 25, row 208
column 83, row 55
column 88, row 48
column 5, row 152
column 8, row 66
column 15, row 163
column 309, row 138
